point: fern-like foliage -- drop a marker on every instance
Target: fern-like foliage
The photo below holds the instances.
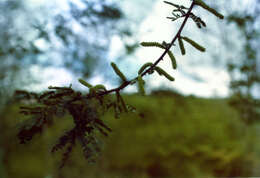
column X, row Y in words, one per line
column 85, row 111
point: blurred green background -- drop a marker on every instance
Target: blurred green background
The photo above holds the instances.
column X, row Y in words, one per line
column 175, row 136
column 172, row 134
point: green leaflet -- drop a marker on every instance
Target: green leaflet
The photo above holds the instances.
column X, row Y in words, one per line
column 181, row 45
column 96, row 89
column 99, row 87
column 170, row 3
column 175, row 5
column 141, row 85
column 123, row 103
column 92, row 89
column 118, row 72
column 83, row 82
column 160, row 71
column 173, row 60
column 155, row 44
column 144, row 67
column 121, row 100
column 205, row 6
column 194, row 44
column 152, row 44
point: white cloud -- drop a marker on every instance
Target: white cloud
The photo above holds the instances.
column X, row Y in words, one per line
column 50, row 76
column 155, row 27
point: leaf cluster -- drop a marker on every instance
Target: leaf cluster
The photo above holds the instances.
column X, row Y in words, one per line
column 181, row 11
column 85, row 111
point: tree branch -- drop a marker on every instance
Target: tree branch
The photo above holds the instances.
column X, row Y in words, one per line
column 126, row 83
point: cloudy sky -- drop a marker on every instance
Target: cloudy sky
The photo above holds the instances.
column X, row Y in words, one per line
column 201, row 74
column 196, row 73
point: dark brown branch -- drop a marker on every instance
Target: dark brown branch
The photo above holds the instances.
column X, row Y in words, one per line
column 172, row 42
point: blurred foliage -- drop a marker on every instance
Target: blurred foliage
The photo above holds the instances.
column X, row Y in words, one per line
column 86, row 109
column 209, row 141
column 245, row 75
column 46, row 35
